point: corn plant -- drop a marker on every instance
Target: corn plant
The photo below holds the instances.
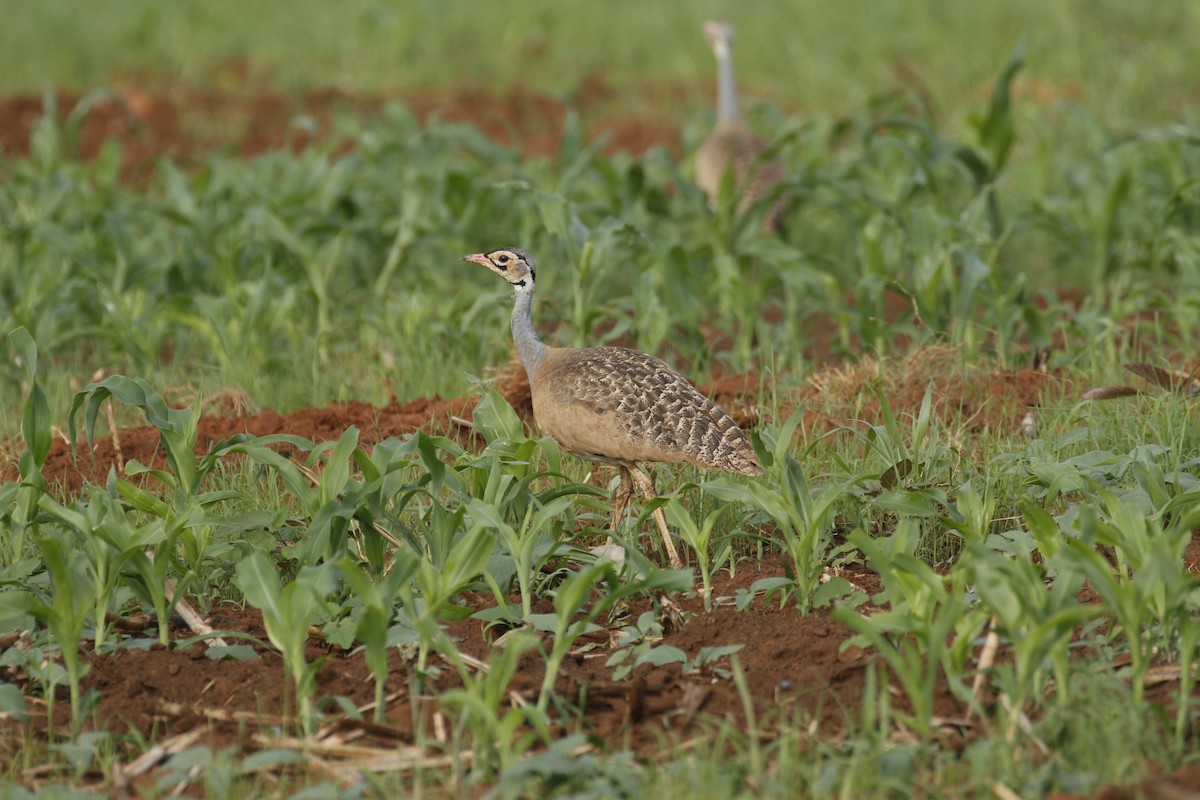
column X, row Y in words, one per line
column 573, row 617
column 332, row 504
column 184, row 511
column 929, row 629
column 336, row 500
column 378, row 610
column 186, row 526
column 802, row 515
column 497, row 738
column 996, row 134
column 498, row 488
column 972, row 513
column 1150, row 591
column 918, row 459
column 177, row 432
column 64, row 613
column 428, row 598
column 357, row 495
column 496, row 491
column 522, row 543
column 1189, row 653
column 287, row 611
column 1036, row 613
column 18, row 502
column 639, row 644
column 697, row 537
column 115, row 549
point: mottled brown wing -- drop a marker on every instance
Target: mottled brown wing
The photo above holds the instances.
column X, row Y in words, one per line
column 639, row 409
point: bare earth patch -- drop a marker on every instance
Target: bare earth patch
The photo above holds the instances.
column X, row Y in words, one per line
column 801, row 669
column 796, row 667
column 150, row 120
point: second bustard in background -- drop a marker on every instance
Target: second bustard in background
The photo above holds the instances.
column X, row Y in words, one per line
column 617, row 405
column 732, row 146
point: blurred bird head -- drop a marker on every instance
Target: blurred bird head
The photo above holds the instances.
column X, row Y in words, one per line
column 719, row 35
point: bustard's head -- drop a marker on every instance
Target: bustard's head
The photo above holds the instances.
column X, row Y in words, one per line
column 720, row 36
column 511, row 263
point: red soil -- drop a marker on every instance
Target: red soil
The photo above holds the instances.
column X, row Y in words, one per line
column 795, row 663
column 838, row 396
column 185, row 122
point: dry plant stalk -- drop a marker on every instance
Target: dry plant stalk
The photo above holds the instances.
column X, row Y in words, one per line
column 118, row 456
column 987, row 659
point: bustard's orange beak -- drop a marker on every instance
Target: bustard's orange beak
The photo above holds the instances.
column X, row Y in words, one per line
column 478, row 258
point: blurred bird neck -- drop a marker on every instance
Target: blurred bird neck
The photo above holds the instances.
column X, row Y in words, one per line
column 727, row 99
column 529, row 347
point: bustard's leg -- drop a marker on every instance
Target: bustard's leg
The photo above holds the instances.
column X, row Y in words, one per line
column 646, row 487
column 621, row 499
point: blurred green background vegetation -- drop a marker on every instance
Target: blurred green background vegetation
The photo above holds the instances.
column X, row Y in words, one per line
column 1125, row 61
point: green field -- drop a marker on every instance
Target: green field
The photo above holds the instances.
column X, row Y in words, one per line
column 1130, row 64
column 1002, row 558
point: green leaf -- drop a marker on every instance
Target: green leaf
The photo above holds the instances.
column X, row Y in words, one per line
column 551, row 510
column 546, row 623
column 337, row 469
column 831, row 590
column 487, row 515
column 913, row 504
column 997, row 128
column 453, row 612
column 35, row 420
column 231, row 652
column 769, row 584
column 726, row 490
column 26, row 348
column 468, row 557
column 1043, row 527
column 12, row 703
column 495, row 419
column 709, row 654
column 259, row 580
column 662, row 654
column 15, row 604
column 19, row 570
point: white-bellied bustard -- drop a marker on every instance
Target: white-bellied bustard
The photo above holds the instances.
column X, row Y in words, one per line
column 617, row 405
column 732, row 146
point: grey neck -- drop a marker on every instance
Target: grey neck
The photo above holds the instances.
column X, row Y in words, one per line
column 529, row 347
column 727, row 99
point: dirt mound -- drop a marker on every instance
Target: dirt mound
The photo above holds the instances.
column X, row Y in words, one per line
column 70, row 470
column 837, row 396
column 849, row 395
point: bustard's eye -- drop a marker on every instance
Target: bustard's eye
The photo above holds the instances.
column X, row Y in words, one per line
column 502, row 260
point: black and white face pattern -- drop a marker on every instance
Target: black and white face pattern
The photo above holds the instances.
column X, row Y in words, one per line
column 511, row 263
